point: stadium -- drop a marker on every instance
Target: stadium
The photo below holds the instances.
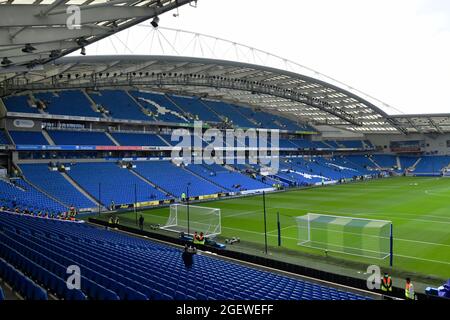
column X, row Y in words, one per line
column 175, row 176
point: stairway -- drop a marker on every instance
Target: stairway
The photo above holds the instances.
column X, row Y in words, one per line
column 48, row 138
column 399, row 164
column 204, row 179
column 143, row 110
column 44, row 192
column 33, row 100
column 112, row 138
column 415, row 164
column 211, row 109
column 376, row 164
column 165, row 141
column 81, row 190
column 151, row 183
column 94, row 105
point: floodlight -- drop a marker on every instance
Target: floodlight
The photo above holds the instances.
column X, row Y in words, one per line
column 28, row 48
column 155, row 22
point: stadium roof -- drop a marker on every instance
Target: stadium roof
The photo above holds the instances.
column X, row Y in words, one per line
column 296, row 96
column 33, row 32
column 423, row 123
column 34, row 35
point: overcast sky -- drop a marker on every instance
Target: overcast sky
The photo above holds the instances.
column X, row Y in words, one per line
column 396, row 50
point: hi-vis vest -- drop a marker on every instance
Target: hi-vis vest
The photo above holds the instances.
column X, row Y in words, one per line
column 409, row 291
column 199, row 239
column 386, row 284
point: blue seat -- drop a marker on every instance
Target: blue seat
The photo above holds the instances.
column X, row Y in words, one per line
column 115, row 266
column 180, row 295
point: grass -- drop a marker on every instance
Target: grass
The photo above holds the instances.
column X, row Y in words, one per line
column 418, row 207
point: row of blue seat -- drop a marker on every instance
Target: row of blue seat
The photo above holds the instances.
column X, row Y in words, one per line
column 67, row 102
column 55, row 184
column 80, row 138
column 4, row 140
column 20, row 283
column 17, row 193
column 167, row 108
column 229, row 180
column 35, row 264
column 28, row 137
column 107, row 182
column 133, row 268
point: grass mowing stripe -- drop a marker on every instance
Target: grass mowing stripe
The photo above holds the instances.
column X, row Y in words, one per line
column 420, row 220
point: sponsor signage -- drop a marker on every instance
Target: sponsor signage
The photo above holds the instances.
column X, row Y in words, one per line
column 147, row 204
column 209, row 196
column 23, row 123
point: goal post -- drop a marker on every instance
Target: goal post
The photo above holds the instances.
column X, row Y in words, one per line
column 353, row 236
column 195, row 218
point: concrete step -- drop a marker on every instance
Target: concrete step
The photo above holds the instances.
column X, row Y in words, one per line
column 151, row 183
column 80, row 189
column 48, row 138
column 112, row 138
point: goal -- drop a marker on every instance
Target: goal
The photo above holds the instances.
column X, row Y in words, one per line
column 347, row 235
column 190, row 219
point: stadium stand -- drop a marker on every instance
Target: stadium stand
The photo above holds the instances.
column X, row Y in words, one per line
column 269, row 121
column 19, row 104
column 28, row 137
column 175, row 179
column 229, row 180
column 195, row 107
column 332, row 144
column 303, row 144
column 55, row 184
column 407, row 161
column 369, row 144
column 138, row 139
column 351, row 144
column 67, row 102
column 359, row 163
column 62, row 137
column 385, row 160
column 159, row 106
column 431, row 165
column 305, row 171
column 168, row 138
column 17, row 193
column 294, row 173
column 119, row 104
column 116, row 184
column 121, row 267
column 20, row 283
column 321, row 145
column 231, row 113
column 4, row 138
column 287, row 144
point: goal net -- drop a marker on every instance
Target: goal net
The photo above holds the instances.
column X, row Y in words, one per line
column 190, row 219
column 353, row 236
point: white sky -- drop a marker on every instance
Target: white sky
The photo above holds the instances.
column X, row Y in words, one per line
column 395, row 50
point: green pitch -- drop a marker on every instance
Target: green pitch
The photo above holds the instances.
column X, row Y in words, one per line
column 419, row 209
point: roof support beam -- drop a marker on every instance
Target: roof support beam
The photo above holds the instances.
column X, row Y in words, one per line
column 434, row 124
column 46, row 35
column 28, row 16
